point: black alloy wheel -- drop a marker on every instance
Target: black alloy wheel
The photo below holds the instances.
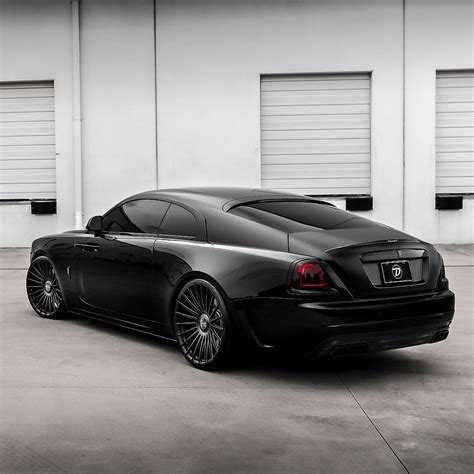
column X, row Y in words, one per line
column 202, row 325
column 43, row 290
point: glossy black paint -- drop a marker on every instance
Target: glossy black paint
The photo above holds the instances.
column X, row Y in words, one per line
column 128, row 271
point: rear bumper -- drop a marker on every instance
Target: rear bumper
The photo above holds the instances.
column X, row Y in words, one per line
column 352, row 344
column 347, row 326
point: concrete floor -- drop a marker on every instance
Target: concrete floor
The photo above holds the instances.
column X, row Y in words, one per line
column 78, row 396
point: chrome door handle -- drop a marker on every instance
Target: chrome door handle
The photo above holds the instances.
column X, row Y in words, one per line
column 88, row 247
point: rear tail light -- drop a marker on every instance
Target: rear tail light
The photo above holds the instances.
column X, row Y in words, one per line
column 443, row 282
column 309, row 276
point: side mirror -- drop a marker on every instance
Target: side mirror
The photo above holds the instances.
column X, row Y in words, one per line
column 95, row 224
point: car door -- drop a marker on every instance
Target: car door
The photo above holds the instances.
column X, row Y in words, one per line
column 115, row 267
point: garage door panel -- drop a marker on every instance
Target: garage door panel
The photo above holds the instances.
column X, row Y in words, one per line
column 27, row 140
column 28, row 194
column 453, row 190
column 349, row 145
column 17, row 151
column 315, row 134
column 27, row 190
column 455, row 144
column 346, row 76
column 447, row 157
column 357, row 96
column 312, row 85
column 6, row 117
column 27, row 128
column 455, row 107
column 313, row 170
column 455, row 94
column 326, row 159
column 337, row 184
column 10, row 93
column 455, row 182
column 27, row 85
column 27, row 164
column 315, row 122
column 26, row 104
column 459, row 169
column 453, row 81
column 460, row 119
column 43, row 175
column 322, row 191
column 454, row 131
column 301, row 110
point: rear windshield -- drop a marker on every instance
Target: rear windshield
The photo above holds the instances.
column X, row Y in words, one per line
column 300, row 216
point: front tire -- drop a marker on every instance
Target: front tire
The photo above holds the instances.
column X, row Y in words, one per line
column 43, row 290
column 203, row 326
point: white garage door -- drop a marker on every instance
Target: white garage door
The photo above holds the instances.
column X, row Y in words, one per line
column 27, row 145
column 455, row 132
column 315, row 133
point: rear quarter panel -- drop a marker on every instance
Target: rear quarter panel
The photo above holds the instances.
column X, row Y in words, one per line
column 241, row 272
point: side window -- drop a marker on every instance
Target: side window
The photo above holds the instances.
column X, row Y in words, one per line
column 141, row 216
column 178, row 221
column 115, row 221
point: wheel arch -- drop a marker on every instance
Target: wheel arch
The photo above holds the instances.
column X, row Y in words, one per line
column 40, row 254
column 192, row 275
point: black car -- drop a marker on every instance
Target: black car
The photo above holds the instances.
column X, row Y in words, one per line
column 215, row 268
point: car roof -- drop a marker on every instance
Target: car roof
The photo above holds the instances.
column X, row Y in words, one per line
column 217, row 197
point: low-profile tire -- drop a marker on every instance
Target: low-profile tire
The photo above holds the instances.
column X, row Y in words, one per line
column 203, row 326
column 43, row 290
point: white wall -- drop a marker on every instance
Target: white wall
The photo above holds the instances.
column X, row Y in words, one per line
column 118, row 101
column 210, row 55
column 35, row 44
column 440, row 35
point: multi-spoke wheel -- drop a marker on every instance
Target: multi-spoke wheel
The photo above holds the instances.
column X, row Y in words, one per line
column 202, row 325
column 43, row 289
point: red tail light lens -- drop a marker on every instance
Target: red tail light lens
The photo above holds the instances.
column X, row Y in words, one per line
column 443, row 282
column 310, row 276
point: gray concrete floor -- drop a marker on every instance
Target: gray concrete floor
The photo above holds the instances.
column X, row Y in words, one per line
column 78, row 396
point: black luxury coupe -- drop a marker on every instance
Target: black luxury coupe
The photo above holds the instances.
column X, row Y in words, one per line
column 218, row 268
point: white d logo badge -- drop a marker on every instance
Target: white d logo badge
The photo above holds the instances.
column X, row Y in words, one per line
column 397, row 271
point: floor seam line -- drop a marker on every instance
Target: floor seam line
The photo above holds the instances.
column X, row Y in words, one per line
column 373, row 424
column 459, row 266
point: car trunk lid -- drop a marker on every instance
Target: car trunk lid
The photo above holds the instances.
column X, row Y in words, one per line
column 361, row 256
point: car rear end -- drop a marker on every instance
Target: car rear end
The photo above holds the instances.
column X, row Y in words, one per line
column 358, row 287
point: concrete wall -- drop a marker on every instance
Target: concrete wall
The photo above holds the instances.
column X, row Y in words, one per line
column 118, row 100
column 439, row 35
column 35, row 44
column 210, row 55
column 208, row 90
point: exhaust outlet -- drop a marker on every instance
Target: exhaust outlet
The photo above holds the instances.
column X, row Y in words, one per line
column 350, row 350
column 440, row 336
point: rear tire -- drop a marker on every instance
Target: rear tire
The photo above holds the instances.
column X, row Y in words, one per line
column 43, row 290
column 203, row 326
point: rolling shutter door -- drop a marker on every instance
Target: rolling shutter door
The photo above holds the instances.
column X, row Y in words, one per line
column 315, row 133
column 455, row 132
column 27, row 140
